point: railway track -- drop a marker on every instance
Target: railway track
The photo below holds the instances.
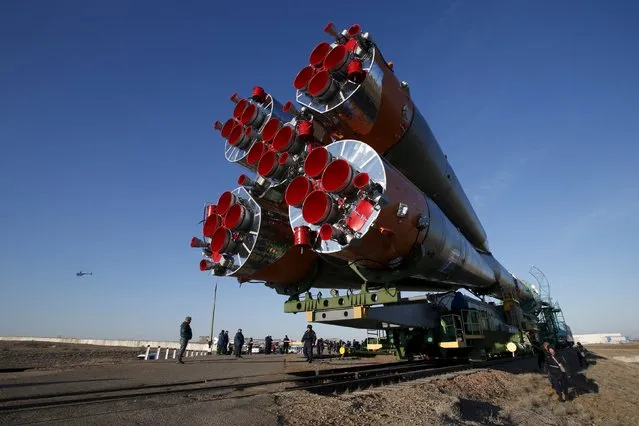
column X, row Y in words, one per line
column 322, row 382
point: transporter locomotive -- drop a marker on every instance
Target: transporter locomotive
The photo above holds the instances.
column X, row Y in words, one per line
column 348, row 190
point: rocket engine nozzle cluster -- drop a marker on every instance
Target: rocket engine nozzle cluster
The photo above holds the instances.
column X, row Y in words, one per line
column 353, row 173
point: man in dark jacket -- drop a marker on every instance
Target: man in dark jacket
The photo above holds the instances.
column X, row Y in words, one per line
column 268, row 342
column 238, row 342
column 308, row 340
column 185, row 335
column 220, row 339
column 581, row 355
column 286, row 343
column 225, row 343
column 250, row 345
column 557, row 373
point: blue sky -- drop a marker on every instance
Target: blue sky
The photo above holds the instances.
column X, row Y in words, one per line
column 107, row 153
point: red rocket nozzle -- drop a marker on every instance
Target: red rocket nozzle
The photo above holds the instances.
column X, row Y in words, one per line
column 259, row 94
column 236, row 134
column 336, row 58
column 235, row 98
column 270, row 129
column 222, row 240
column 361, row 180
column 289, row 108
column 320, row 84
column 303, row 78
column 338, row 176
column 227, row 128
column 319, row 53
column 218, row 125
column 285, row 159
column 330, row 30
column 297, row 191
column 268, row 164
column 302, row 236
column 255, row 153
column 317, row 161
column 238, row 217
column 284, row 139
column 196, row 242
column 239, row 109
column 318, row 208
column 244, row 180
column 354, row 30
column 326, row 231
column 206, row 265
column 211, row 224
column 355, row 71
column 226, row 200
column 329, row 232
column 209, row 210
column 249, row 114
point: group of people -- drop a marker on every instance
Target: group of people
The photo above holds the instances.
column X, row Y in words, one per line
column 309, row 340
column 334, row 346
column 223, row 347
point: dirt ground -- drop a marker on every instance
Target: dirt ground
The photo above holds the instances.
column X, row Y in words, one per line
column 516, row 394
column 607, row 394
column 43, row 355
column 609, row 351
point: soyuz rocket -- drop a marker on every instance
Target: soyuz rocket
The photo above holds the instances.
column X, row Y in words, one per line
column 346, row 186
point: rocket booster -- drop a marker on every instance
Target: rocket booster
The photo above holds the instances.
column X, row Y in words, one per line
column 363, row 211
column 366, row 101
column 350, row 186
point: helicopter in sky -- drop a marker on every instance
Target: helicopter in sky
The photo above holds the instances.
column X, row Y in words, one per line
column 79, row 274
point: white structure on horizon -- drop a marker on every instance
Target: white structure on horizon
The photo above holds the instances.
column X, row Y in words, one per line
column 594, row 338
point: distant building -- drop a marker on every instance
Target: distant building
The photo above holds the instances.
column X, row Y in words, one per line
column 595, row 338
column 203, row 339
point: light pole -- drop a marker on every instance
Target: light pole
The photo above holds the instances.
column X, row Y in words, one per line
column 213, row 314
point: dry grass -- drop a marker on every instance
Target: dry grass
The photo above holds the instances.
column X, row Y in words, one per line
column 608, row 394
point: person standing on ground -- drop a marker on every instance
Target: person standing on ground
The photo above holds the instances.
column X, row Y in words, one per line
column 557, row 373
column 541, row 355
column 308, row 340
column 581, row 355
column 250, row 345
column 286, row 343
column 268, row 341
column 238, row 342
column 220, row 339
column 185, row 335
column 225, row 343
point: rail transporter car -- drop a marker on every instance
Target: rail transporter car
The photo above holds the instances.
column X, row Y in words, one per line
column 436, row 325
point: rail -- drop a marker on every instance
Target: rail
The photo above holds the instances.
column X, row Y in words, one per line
column 321, row 382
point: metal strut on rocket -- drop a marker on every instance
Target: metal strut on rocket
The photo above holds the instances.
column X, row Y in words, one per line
column 353, row 174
